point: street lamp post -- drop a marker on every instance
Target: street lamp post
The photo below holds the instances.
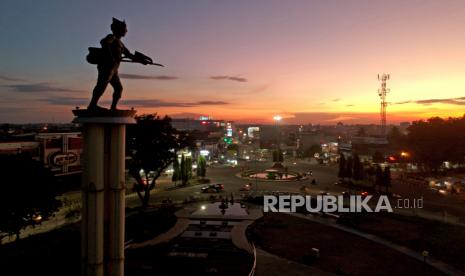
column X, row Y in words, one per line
column 277, row 119
column 256, row 174
column 425, row 254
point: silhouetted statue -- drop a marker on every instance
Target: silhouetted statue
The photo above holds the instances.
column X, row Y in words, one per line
column 108, row 59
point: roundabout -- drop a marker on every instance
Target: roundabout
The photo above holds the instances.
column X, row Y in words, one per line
column 277, row 172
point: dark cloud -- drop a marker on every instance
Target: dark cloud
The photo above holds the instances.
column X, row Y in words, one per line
column 158, row 103
column 349, row 105
column 349, row 117
column 336, row 100
column 239, row 79
column 38, row 87
column 404, row 102
column 65, row 101
column 145, row 77
column 6, row 78
column 453, row 101
column 212, row 103
column 444, row 101
column 134, row 102
column 186, row 115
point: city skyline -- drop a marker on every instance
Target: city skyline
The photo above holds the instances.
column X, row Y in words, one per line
column 310, row 62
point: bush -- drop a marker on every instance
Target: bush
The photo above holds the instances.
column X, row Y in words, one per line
column 204, row 181
column 271, row 176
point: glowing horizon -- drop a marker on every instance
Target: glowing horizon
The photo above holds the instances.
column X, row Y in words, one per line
column 311, row 62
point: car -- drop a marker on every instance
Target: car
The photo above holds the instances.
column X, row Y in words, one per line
column 364, row 193
column 345, row 194
column 246, row 187
column 213, row 188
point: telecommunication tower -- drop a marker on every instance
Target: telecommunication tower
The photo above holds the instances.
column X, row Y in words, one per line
column 382, row 94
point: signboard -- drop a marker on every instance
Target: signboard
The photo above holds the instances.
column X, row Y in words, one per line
column 58, row 159
column 61, row 152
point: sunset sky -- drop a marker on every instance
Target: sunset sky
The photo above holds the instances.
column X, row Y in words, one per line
column 309, row 61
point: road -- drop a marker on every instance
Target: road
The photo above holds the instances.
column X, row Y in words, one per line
column 436, row 206
column 325, row 177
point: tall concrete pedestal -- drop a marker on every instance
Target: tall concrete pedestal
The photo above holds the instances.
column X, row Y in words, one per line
column 103, row 190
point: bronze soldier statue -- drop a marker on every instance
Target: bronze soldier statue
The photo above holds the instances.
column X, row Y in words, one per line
column 111, row 55
column 108, row 59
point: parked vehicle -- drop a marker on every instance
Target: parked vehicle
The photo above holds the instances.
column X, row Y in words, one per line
column 213, row 188
column 364, row 193
column 246, row 187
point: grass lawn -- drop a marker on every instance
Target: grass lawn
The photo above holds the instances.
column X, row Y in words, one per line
column 445, row 242
column 340, row 252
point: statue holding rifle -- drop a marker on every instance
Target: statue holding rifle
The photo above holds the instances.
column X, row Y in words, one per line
column 108, row 59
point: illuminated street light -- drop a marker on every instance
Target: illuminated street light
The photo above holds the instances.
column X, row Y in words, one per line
column 277, row 118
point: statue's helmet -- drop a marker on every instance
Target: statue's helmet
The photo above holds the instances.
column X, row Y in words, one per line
column 118, row 25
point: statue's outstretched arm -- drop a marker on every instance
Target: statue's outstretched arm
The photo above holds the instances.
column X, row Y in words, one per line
column 127, row 53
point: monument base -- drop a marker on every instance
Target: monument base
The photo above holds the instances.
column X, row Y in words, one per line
column 103, row 189
column 104, row 116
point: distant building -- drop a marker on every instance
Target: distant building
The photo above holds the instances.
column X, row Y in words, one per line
column 404, row 126
column 253, row 132
column 369, row 145
column 15, row 147
column 309, row 138
column 60, row 152
column 204, row 124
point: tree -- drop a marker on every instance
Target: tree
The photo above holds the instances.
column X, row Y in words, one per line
column 204, row 167
column 396, row 139
column 437, row 140
column 29, row 193
column 189, row 168
column 201, row 166
column 387, row 178
column 361, row 132
column 379, row 179
column 371, row 172
column 184, row 176
column 357, row 168
column 349, row 167
column 342, row 166
column 153, row 145
column 378, row 157
column 310, row 152
column 278, row 155
column 176, row 171
column 234, row 148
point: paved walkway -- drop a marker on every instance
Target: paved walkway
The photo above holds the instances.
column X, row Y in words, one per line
column 439, row 265
column 180, row 226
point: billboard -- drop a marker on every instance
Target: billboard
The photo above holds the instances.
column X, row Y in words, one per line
column 61, row 152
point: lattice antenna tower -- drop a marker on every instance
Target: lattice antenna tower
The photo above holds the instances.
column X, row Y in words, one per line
column 382, row 92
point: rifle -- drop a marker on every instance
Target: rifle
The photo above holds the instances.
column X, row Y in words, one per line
column 141, row 58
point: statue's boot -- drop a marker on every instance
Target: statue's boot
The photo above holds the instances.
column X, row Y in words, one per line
column 95, row 107
column 113, row 105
